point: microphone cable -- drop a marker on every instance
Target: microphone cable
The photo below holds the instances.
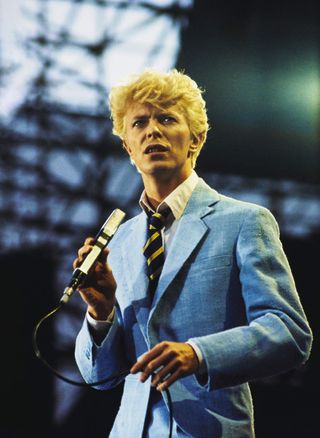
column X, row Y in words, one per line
column 85, row 384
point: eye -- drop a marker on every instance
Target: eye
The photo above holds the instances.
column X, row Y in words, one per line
column 138, row 123
column 166, row 119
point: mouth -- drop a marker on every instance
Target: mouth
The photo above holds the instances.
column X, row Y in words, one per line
column 155, row 148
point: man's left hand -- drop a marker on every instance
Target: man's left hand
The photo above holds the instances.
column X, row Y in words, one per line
column 167, row 361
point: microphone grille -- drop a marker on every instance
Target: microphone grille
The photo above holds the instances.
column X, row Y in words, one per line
column 113, row 222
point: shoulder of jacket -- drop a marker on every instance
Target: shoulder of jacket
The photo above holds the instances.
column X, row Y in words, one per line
column 240, row 205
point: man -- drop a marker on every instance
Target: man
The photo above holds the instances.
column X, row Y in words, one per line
column 221, row 311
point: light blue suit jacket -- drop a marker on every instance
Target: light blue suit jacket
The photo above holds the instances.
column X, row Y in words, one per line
column 226, row 284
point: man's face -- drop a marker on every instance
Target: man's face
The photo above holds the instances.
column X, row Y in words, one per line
column 158, row 140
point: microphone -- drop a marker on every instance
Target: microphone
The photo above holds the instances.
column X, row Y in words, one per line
column 101, row 240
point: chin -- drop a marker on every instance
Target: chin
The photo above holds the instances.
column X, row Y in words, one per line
column 162, row 168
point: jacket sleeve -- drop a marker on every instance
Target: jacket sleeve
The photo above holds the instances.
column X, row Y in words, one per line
column 277, row 337
column 104, row 361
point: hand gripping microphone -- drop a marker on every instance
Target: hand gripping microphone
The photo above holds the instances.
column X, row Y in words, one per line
column 102, row 239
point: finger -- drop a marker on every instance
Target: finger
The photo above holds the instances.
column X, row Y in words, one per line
column 142, row 362
column 99, row 267
column 75, row 263
column 147, row 358
column 163, row 373
column 84, row 251
column 167, row 382
column 151, row 368
column 89, row 241
column 106, row 252
column 104, row 256
column 78, row 261
column 89, row 295
column 157, row 365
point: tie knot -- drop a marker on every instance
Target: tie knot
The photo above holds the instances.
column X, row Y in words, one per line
column 157, row 220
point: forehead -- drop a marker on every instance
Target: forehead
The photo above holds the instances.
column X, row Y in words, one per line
column 137, row 109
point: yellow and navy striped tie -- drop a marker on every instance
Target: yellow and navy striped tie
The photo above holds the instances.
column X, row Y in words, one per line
column 153, row 249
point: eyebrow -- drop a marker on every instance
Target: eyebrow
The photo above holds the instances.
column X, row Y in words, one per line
column 161, row 114
column 142, row 116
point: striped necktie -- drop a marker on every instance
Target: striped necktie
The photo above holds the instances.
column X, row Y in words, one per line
column 153, row 250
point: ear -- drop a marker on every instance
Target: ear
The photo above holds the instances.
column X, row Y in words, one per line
column 196, row 141
column 126, row 146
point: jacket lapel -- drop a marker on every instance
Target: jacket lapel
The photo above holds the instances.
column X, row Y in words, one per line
column 191, row 230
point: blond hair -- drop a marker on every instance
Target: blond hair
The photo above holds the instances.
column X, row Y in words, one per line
column 161, row 90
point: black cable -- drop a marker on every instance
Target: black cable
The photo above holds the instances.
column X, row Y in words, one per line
column 170, row 411
column 53, row 370
column 85, row 384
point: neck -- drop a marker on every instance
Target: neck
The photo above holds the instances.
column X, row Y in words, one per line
column 157, row 189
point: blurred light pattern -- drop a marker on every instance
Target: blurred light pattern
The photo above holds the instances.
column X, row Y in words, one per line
column 85, row 46
column 295, row 205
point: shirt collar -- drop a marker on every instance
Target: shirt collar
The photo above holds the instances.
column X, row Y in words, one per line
column 176, row 200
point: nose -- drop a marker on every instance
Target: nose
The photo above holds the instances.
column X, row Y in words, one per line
column 153, row 130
